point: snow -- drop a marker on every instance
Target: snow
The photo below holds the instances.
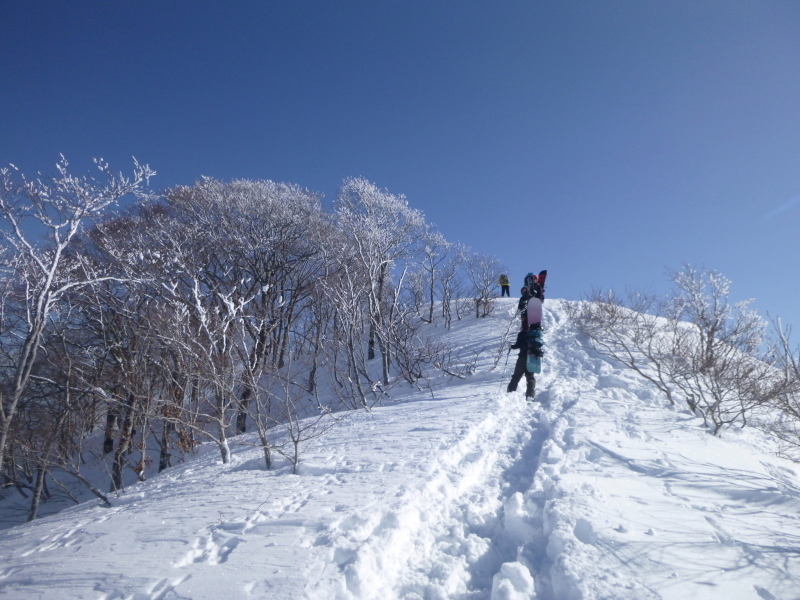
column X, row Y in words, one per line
column 597, row 490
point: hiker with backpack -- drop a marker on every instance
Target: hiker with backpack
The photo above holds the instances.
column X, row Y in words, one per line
column 505, row 286
column 529, row 339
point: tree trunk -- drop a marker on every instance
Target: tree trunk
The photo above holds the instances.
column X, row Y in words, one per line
column 284, row 338
column 165, row 456
column 375, row 317
column 433, row 291
column 385, row 359
column 37, row 493
column 141, row 472
column 265, row 445
column 111, row 422
column 224, row 449
column 244, row 402
column 125, row 435
column 222, row 443
column 24, row 367
column 257, row 357
column 371, row 348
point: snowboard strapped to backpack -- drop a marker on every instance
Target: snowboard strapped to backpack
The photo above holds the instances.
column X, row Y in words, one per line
column 535, row 348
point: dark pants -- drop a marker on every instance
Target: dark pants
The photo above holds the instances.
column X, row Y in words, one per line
column 505, row 290
column 520, row 370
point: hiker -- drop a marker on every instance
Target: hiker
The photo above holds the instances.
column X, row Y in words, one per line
column 520, row 368
column 505, row 286
column 529, row 339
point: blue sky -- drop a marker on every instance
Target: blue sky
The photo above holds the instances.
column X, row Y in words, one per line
column 604, row 141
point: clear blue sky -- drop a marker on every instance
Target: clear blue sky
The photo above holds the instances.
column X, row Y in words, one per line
column 604, row 141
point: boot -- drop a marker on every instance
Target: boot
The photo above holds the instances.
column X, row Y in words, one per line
column 530, row 390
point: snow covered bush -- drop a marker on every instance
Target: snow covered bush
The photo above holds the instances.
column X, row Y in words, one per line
column 695, row 345
column 787, row 426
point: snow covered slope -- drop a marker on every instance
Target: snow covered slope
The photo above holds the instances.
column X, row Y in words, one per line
column 598, row 490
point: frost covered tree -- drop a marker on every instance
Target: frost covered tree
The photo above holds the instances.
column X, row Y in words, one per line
column 56, row 414
column 347, row 291
column 380, row 229
column 271, row 236
column 435, row 253
column 451, row 280
column 242, row 270
column 483, row 272
column 215, row 306
column 787, row 426
column 39, row 221
column 719, row 366
column 236, row 263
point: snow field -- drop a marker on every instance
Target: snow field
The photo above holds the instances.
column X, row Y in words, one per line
column 596, row 491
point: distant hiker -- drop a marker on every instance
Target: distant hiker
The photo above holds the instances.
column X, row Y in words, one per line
column 505, row 287
column 520, row 368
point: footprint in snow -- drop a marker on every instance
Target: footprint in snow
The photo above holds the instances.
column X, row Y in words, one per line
column 212, row 549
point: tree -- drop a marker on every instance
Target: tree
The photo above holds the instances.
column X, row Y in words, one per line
column 238, row 262
column 288, row 408
column 450, row 282
column 347, row 360
column 483, row 272
column 718, row 365
column 436, row 251
column 787, row 426
column 53, row 210
column 380, row 229
column 56, row 413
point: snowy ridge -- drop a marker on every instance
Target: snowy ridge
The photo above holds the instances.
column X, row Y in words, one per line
column 598, row 490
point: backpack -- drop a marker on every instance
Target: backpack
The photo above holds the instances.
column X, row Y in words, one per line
column 530, row 281
column 534, row 288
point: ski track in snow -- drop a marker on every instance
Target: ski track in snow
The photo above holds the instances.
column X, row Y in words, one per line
column 596, row 490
